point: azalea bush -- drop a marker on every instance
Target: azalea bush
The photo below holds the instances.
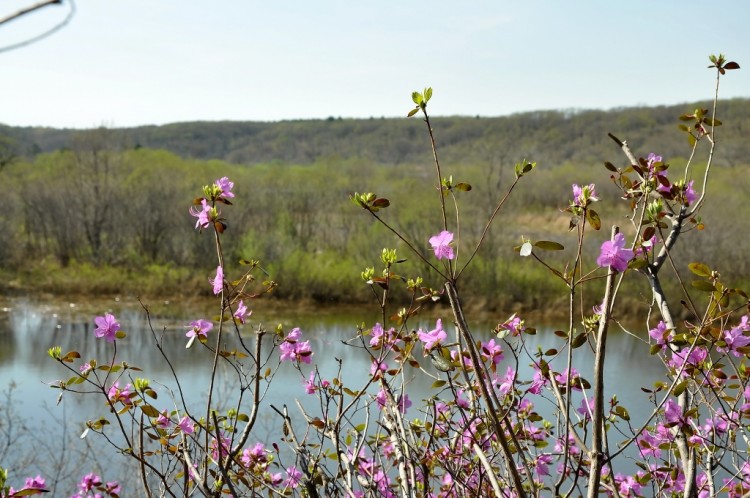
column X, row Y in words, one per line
column 504, row 418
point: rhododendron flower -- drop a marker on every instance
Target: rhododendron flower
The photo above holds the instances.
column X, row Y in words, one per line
column 203, row 214
column 614, row 254
column 199, row 328
column 583, row 196
column 433, row 337
column 310, row 383
column 441, row 245
column 660, row 334
column 218, row 280
column 85, row 368
column 566, row 377
column 107, row 327
column 241, row 314
column 377, row 368
column 123, row 395
column 226, row 187
column 506, row 383
column 513, row 324
column 690, row 194
column 186, row 425
column 586, row 408
column 736, row 338
column 294, row 477
column 294, row 350
column 381, row 338
column 673, row 413
column 491, row 351
column 163, row 421
column 34, row 482
column 403, row 402
column 88, row 482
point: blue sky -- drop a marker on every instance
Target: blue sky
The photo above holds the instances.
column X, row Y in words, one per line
column 132, row 62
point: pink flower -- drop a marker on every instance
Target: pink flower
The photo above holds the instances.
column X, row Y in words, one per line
column 381, row 337
column 310, row 383
column 107, row 327
column 163, row 421
column 203, row 214
column 660, row 334
column 513, row 324
column 614, row 254
column 673, row 413
column 88, row 482
column 123, row 395
column 85, row 368
column 218, row 280
column 293, row 350
column 433, row 337
column 186, row 425
column 294, row 477
column 690, row 194
column 34, row 482
column 507, row 382
column 377, row 368
column 491, row 351
column 440, row 245
column 199, row 328
column 226, row 187
column 736, row 338
column 403, row 402
column 586, row 408
column 583, row 196
column 241, row 314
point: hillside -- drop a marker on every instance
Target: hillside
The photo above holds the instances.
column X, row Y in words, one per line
column 548, row 136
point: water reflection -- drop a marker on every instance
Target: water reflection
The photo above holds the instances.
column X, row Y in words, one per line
column 28, row 330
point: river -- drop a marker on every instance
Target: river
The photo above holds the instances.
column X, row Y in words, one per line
column 29, row 328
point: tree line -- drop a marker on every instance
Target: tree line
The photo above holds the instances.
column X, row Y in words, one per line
column 100, row 214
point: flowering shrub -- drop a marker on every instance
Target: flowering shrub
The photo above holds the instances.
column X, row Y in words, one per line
column 486, row 430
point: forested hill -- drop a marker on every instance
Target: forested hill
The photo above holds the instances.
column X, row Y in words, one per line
column 548, row 136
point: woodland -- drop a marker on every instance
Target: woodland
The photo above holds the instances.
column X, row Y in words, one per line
column 101, row 211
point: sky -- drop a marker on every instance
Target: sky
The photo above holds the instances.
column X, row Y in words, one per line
column 123, row 63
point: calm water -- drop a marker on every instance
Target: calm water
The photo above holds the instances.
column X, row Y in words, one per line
column 28, row 329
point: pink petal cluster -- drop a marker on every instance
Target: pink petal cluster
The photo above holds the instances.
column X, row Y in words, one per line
column 294, row 350
column 107, row 327
column 614, row 255
column 199, row 328
column 441, row 245
column 433, row 337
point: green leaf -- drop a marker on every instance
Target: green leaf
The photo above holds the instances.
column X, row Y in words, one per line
column 464, row 187
column 680, row 388
column 594, row 219
column 413, row 112
column 548, row 245
column 428, row 94
column 703, row 285
column 700, row 269
column 149, row 411
column 578, row 340
column 622, row 412
column 637, row 264
column 416, row 97
column 438, row 384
